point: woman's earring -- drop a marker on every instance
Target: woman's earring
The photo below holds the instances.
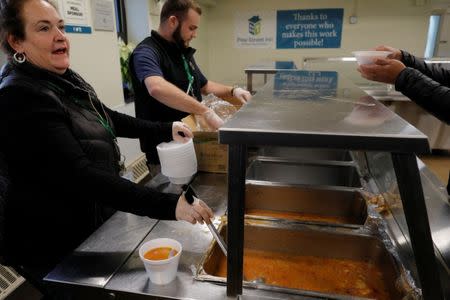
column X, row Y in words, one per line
column 19, row 57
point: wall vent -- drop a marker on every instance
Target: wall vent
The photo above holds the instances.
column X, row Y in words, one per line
column 139, row 168
column 9, row 281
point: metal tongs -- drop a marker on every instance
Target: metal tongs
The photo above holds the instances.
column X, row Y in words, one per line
column 191, row 196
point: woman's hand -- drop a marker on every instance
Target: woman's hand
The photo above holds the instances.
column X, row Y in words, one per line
column 181, row 132
column 193, row 213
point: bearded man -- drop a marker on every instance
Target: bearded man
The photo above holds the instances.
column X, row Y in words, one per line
column 167, row 82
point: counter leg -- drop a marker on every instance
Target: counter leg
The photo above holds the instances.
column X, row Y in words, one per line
column 410, row 187
column 249, row 81
column 237, row 163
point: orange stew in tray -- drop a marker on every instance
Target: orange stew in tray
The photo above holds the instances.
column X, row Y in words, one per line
column 320, row 274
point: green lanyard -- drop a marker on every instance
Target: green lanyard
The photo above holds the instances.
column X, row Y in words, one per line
column 102, row 120
column 188, row 74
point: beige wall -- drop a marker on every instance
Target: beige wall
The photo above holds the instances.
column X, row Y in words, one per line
column 399, row 23
column 202, row 42
column 96, row 57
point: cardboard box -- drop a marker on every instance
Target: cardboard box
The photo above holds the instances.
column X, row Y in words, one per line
column 211, row 156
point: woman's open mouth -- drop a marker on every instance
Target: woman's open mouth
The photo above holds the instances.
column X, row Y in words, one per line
column 59, row 51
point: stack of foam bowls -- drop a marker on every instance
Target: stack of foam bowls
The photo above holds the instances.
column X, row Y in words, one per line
column 178, row 161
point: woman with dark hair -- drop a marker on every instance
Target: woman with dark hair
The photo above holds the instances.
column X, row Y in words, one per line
column 59, row 142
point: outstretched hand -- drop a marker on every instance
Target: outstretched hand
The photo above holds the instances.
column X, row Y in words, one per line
column 382, row 70
column 396, row 53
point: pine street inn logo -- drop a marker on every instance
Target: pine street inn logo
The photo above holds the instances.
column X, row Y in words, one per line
column 254, row 25
column 255, row 29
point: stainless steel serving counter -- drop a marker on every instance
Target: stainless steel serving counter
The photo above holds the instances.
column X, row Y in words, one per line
column 107, row 265
column 325, row 110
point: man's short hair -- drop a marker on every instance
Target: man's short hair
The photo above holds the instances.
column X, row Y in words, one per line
column 178, row 8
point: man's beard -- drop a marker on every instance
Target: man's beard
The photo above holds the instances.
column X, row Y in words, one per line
column 176, row 35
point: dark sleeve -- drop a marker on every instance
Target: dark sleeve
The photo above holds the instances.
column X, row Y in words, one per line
column 146, row 63
column 434, row 71
column 427, row 93
column 4, row 181
column 201, row 78
column 39, row 131
column 131, row 127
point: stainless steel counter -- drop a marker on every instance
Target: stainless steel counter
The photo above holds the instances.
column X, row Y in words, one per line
column 108, row 266
column 322, row 109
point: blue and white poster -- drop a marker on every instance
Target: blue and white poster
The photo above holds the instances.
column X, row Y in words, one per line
column 76, row 16
column 309, row 28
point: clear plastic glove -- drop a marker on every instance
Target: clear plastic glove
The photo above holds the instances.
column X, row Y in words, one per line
column 197, row 212
column 181, row 132
column 242, row 95
column 212, row 119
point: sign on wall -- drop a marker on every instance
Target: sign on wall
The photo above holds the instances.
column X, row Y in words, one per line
column 290, row 29
column 103, row 12
column 310, row 28
column 255, row 29
column 74, row 13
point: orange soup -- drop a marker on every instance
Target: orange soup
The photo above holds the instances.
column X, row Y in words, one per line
column 320, row 274
column 159, row 253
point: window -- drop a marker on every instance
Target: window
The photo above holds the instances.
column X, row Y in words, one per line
column 432, row 36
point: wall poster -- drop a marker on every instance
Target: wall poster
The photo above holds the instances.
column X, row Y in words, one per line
column 309, row 28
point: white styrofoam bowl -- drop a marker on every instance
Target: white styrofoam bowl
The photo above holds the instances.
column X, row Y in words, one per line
column 368, row 57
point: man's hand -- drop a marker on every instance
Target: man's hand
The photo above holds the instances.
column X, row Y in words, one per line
column 181, row 132
column 396, row 53
column 212, row 119
column 382, row 70
column 242, row 95
column 197, row 212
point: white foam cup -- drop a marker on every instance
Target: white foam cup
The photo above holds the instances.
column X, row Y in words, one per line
column 161, row 271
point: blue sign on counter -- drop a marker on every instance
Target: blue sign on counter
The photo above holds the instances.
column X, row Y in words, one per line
column 78, row 29
column 309, row 28
column 305, row 85
column 287, row 65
